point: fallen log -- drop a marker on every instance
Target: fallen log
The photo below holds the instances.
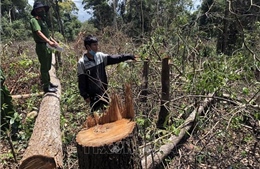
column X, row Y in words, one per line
column 110, row 140
column 155, row 158
column 45, row 147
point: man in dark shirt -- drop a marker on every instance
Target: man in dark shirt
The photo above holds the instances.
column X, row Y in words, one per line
column 92, row 78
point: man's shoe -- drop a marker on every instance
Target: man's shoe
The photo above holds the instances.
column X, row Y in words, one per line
column 49, row 89
column 53, row 85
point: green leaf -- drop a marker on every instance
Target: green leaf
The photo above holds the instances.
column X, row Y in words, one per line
column 245, row 90
column 12, row 121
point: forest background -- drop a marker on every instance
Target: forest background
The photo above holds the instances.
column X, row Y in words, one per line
column 212, row 50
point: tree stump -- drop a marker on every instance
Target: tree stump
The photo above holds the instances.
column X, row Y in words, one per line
column 45, row 147
column 110, row 141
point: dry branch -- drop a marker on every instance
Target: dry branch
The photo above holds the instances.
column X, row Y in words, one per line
column 239, row 101
column 25, row 96
column 45, row 147
column 152, row 160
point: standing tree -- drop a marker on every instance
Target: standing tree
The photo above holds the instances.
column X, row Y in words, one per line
column 14, row 16
column 228, row 21
column 103, row 12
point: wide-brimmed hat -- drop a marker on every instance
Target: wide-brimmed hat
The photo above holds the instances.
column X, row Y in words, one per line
column 39, row 5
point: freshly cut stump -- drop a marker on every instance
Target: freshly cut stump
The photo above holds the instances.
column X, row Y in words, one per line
column 108, row 146
column 112, row 143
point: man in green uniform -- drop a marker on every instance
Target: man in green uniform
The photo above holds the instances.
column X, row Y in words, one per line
column 42, row 37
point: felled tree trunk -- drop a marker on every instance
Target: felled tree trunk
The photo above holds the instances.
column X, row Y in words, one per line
column 112, row 142
column 45, row 147
column 153, row 160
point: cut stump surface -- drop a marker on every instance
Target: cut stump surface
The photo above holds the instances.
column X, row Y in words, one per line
column 105, row 134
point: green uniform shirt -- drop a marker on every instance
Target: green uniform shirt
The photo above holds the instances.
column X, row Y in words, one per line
column 39, row 25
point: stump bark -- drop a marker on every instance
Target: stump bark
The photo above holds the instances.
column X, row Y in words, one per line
column 110, row 141
column 45, row 147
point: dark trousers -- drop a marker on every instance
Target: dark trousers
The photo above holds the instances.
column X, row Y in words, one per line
column 45, row 57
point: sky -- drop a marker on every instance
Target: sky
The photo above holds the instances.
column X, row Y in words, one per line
column 196, row 3
column 83, row 15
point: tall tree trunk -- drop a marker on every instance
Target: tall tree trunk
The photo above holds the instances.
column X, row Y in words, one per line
column 142, row 18
column 115, row 14
column 222, row 46
column 59, row 18
column 165, row 81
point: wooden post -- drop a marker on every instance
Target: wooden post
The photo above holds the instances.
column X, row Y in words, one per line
column 112, row 142
column 165, row 81
column 45, row 147
column 145, row 75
